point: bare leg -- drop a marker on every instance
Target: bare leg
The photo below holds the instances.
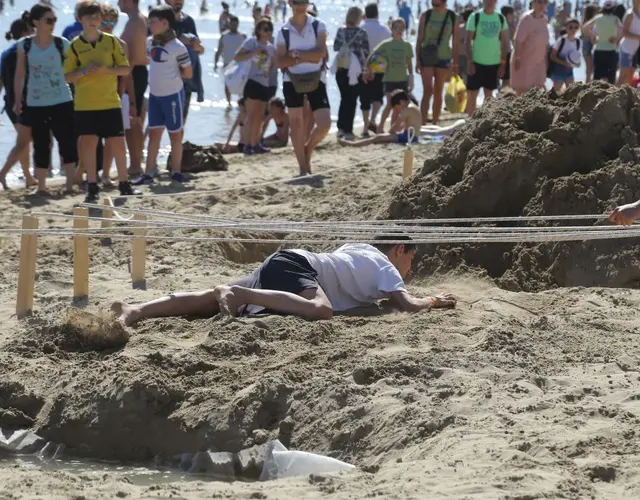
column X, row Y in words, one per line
column 25, row 162
column 117, row 146
column 155, row 135
column 41, row 177
column 472, row 101
column 488, row 95
column 176, row 151
column 322, row 118
column 227, row 94
column 441, row 76
column 375, row 109
column 428, row 74
column 21, row 148
column 366, row 113
column 311, row 304
column 177, row 304
column 298, row 137
column 87, row 145
column 107, row 160
column 385, row 114
column 376, row 139
column 135, row 143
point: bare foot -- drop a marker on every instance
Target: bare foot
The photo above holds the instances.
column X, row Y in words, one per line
column 446, row 301
column 3, row 181
column 31, row 182
column 226, row 300
column 125, row 313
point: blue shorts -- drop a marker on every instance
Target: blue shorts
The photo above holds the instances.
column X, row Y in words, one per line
column 167, row 111
column 403, row 138
column 561, row 74
column 626, row 60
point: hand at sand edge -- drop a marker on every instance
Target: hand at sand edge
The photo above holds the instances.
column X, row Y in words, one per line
column 445, row 301
column 624, row 215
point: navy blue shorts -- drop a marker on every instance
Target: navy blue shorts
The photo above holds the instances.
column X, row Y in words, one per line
column 167, row 111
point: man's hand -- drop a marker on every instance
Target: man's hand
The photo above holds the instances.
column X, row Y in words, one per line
column 418, row 67
column 411, row 304
column 17, row 107
column 501, row 71
column 95, row 68
column 471, row 68
column 624, row 215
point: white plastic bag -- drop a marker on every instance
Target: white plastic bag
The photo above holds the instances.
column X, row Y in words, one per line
column 236, row 76
column 280, row 463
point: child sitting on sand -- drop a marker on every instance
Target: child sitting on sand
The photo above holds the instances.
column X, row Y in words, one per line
column 277, row 113
column 409, row 116
column 234, row 147
column 306, row 284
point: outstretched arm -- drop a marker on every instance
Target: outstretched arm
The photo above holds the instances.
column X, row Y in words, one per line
column 408, row 303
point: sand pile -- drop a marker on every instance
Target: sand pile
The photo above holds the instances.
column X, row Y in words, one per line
column 542, row 154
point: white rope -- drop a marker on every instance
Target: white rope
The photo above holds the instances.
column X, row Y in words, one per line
column 500, row 238
column 260, row 184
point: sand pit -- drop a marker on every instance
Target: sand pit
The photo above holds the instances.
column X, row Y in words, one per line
column 511, row 395
column 542, row 154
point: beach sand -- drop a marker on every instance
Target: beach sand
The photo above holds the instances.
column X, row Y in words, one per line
column 512, row 395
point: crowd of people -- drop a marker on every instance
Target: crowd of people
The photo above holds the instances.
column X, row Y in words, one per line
column 92, row 92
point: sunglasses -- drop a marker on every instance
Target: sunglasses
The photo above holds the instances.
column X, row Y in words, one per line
column 51, row 20
column 266, row 29
column 109, row 24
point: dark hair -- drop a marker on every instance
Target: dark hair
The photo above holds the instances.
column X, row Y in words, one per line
column 18, row 27
column 506, row 10
column 386, row 247
column 164, row 12
column 234, row 19
column 36, row 13
column 466, row 14
column 620, row 10
column 397, row 96
column 225, row 5
column 572, row 20
column 590, row 12
column 88, row 8
column 277, row 102
column 371, row 11
column 263, row 22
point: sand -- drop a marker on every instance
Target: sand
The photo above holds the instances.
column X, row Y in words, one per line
column 514, row 394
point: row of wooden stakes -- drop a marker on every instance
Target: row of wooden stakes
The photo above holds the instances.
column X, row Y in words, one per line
column 29, row 247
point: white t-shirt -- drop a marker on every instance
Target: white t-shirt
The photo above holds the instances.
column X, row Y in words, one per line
column 305, row 40
column 354, row 275
column 628, row 46
column 569, row 46
column 231, row 42
column 376, row 32
column 260, row 64
column 164, row 67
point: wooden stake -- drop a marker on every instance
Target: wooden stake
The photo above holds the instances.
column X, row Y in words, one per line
column 107, row 213
column 138, row 254
column 407, row 169
column 80, row 255
column 27, row 273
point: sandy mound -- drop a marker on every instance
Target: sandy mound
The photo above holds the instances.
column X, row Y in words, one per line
column 542, row 154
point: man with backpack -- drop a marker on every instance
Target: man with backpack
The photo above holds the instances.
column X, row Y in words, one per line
column 487, row 47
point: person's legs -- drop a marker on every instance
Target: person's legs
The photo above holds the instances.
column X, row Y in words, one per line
column 155, row 136
column 176, row 151
column 87, row 145
column 557, row 84
column 322, row 118
column 135, row 134
column 256, row 126
column 588, row 63
column 427, row 74
column 342, row 79
column 298, row 135
column 61, row 124
column 385, row 114
column 106, row 165
column 227, row 94
column 41, row 134
column 18, row 151
column 176, row 304
column 25, row 162
column 365, row 103
column 488, row 94
column 311, row 303
column 352, row 94
column 441, row 76
column 391, row 138
column 253, row 107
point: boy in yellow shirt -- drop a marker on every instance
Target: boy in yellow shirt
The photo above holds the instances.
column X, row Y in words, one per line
column 93, row 64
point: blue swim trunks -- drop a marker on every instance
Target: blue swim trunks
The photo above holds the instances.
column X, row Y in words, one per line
column 403, row 138
column 166, row 111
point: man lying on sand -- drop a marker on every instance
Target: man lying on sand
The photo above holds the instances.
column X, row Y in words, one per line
column 409, row 115
column 301, row 283
column 624, row 215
